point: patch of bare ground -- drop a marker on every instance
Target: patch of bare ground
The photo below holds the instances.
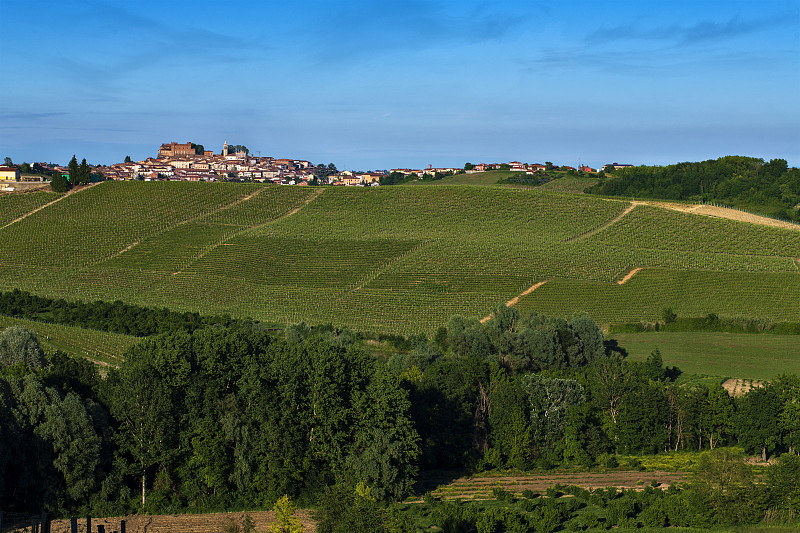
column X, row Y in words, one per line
column 48, row 204
column 21, row 187
column 182, row 523
column 515, row 299
column 722, row 212
column 740, row 387
column 481, row 487
column 628, row 276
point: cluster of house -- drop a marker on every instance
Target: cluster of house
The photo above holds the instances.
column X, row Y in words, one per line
column 186, row 162
column 182, row 162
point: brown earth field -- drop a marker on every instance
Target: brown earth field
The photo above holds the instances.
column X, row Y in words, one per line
column 480, row 487
column 181, row 523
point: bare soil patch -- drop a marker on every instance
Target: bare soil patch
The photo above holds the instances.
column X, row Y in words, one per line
column 740, row 387
column 628, row 276
column 183, row 523
column 722, row 212
column 515, row 299
column 16, row 187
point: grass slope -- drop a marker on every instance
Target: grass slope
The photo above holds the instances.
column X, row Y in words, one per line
column 395, row 259
column 731, row 355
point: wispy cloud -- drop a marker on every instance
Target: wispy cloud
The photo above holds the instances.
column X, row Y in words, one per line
column 367, row 28
column 142, row 50
column 23, row 115
column 687, row 34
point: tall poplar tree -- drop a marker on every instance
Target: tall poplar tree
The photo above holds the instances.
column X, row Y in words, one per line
column 73, row 170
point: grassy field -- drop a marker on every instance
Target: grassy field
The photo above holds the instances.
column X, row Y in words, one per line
column 98, row 346
column 731, row 355
column 393, row 259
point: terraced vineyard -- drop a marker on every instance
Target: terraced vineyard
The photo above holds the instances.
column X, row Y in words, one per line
column 393, row 259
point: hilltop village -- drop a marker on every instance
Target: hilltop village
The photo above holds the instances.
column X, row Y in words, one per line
column 192, row 162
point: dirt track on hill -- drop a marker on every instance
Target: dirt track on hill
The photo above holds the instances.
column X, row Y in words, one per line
column 628, row 276
column 515, row 299
column 720, row 212
column 48, row 204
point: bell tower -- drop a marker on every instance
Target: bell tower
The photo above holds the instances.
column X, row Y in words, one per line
column 225, row 149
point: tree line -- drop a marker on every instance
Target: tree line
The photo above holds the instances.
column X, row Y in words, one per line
column 114, row 317
column 748, row 183
column 236, row 415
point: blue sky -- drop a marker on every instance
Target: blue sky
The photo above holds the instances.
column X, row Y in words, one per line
column 382, row 84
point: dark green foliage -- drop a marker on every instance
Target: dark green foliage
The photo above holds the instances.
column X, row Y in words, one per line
column 745, row 182
column 59, row 184
column 783, row 479
column 643, row 419
column 116, row 317
column 342, row 510
column 236, row 416
column 53, row 447
column 530, row 342
column 758, row 421
column 73, row 171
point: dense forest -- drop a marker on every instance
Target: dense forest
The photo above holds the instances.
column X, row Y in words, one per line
column 743, row 182
column 236, row 416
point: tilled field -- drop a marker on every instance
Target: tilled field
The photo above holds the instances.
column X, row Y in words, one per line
column 480, row 487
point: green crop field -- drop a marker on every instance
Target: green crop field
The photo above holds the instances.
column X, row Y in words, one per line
column 16, row 205
column 392, row 259
column 731, row 355
column 477, row 178
column 571, row 184
column 98, row 346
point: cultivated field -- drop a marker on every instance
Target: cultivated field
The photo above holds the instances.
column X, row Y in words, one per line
column 480, row 486
column 392, row 259
column 103, row 348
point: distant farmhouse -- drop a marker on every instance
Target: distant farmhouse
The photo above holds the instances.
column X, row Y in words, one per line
column 9, row 173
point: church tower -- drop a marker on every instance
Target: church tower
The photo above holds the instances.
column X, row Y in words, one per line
column 225, row 149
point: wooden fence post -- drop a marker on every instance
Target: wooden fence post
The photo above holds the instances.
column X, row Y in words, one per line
column 88, row 524
column 73, row 525
column 101, row 528
column 122, row 526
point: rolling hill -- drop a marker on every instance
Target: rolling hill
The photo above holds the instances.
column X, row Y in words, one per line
column 391, row 259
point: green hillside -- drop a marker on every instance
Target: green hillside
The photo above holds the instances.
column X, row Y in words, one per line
column 101, row 347
column 393, row 259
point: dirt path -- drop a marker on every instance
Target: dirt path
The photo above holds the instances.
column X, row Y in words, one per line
column 515, row 299
column 598, row 229
column 307, row 201
column 721, row 212
column 628, row 276
column 48, row 204
column 221, row 242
